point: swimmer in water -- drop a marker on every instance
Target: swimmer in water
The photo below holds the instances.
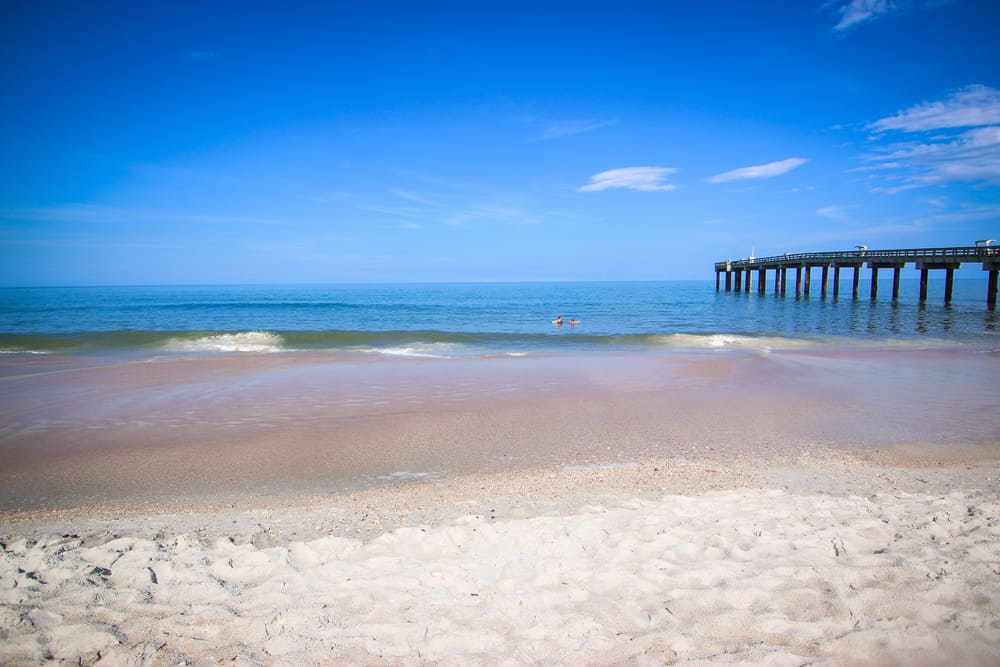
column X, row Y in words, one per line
column 573, row 323
column 557, row 321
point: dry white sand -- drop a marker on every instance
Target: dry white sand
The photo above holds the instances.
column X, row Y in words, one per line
column 569, row 567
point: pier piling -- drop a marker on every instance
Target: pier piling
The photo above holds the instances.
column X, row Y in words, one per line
column 925, row 260
column 991, row 287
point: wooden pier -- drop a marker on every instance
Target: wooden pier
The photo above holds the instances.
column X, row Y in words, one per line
column 925, row 260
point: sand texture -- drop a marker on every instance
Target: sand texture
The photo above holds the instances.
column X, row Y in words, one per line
column 837, row 508
column 749, row 575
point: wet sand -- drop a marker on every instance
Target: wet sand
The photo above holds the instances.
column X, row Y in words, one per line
column 839, row 506
column 226, row 429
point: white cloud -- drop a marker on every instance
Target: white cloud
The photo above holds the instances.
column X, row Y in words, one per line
column 862, row 11
column 643, row 179
column 769, row 170
column 857, row 12
column 955, row 139
column 972, row 106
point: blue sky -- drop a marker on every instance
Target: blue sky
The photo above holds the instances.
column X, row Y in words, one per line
column 263, row 142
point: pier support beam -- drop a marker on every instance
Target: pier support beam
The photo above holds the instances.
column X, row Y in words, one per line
column 895, row 266
column 991, row 287
column 948, row 266
column 926, row 260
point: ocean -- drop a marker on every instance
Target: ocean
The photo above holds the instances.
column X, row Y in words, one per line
column 448, row 320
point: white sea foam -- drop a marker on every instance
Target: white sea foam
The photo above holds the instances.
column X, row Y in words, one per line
column 243, row 341
column 716, row 341
column 407, row 475
column 425, row 350
column 16, row 350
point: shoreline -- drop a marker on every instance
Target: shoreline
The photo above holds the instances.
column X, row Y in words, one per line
column 230, row 427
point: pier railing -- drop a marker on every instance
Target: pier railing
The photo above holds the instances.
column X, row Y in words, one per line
column 926, row 259
column 967, row 253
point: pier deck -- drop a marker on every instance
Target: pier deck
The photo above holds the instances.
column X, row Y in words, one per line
column 924, row 259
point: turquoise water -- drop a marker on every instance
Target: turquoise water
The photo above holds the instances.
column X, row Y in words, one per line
column 461, row 319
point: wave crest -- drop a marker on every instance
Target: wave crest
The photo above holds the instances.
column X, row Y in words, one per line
column 242, row 341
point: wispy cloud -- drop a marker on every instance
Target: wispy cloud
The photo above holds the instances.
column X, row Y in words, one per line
column 953, row 139
column 857, row 12
column 958, row 221
column 972, row 106
column 769, row 170
column 495, row 212
column 567, row 128
column 415, row 198
column 451, row 205
column 643, row 179
column 96, row 214
column 834, row 212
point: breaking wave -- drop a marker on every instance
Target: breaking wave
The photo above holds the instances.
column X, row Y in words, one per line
column 243, row 341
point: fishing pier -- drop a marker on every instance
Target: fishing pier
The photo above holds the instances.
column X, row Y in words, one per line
column 925, row 260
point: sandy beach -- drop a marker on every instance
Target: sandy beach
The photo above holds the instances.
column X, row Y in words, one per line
column 787, row 507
